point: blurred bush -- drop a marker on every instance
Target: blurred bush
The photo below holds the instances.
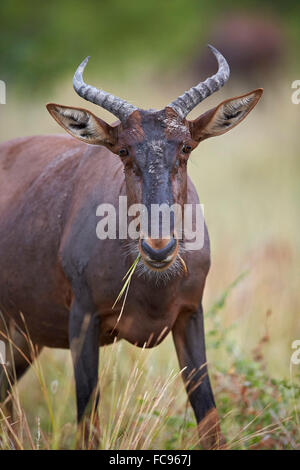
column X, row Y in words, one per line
column 40, row 42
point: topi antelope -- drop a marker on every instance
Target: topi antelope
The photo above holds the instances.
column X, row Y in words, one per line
column 60, row 280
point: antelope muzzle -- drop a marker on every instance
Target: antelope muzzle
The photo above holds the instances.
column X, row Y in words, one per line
column 158, row 254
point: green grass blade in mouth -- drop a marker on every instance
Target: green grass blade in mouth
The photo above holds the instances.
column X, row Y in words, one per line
column 132, row 267
column 126, row 284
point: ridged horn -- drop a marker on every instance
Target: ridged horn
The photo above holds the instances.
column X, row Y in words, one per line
column 191, row 98
column 120, row 108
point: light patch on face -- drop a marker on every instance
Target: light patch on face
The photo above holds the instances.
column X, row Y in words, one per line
column 156, row 162
column 174, row 125
column 151, row 168
column 157, row 147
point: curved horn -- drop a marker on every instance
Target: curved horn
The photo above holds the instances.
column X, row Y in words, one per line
column 186, row 102
column 120, row 108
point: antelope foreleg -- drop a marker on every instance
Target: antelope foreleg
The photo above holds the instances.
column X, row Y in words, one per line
column 84, row 331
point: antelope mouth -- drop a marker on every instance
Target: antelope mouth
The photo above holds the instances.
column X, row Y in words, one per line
column 158, row 255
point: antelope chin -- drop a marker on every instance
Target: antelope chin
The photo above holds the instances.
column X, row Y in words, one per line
column 158, row 265
column 160, row 273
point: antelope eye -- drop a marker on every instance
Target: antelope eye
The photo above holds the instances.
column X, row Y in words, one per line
column 186, row 149
column 123, row 152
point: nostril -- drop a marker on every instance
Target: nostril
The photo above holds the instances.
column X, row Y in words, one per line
column 159, row 255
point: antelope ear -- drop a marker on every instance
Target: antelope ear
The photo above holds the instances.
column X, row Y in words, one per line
column 83, row 124
column 225, row 116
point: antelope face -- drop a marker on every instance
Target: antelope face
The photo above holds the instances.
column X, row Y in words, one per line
column 154, row 147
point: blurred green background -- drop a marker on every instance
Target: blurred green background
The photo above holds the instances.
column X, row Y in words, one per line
column 248, row 180
column 42, row 42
